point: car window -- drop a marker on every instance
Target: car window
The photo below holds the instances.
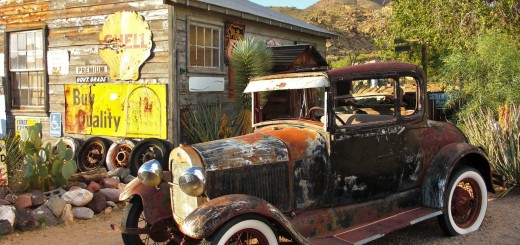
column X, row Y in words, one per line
column 298, row 103
column 365, row 101
column 410, row 105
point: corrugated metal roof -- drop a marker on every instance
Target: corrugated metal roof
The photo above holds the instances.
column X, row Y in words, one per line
column 251, row 8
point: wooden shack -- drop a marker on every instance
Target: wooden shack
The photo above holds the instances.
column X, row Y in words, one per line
column 124, row 69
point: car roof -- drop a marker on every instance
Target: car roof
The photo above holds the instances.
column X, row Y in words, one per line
column 370, row 69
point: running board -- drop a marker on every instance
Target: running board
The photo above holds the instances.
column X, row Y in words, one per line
column 375, row 230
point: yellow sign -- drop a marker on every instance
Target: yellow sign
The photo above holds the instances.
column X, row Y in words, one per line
column 3, row 165
column 25, row 122
column 128, row 41
column 119, row 110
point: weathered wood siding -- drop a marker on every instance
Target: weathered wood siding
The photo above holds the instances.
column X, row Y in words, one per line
column 74, row 26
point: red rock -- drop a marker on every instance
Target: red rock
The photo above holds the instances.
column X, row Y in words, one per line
column 111, row 183
column 23, row 201
column 94, row 187
column 75, row 188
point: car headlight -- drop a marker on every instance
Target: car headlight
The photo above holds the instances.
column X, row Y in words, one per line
column 193, row 181
column 150, row 173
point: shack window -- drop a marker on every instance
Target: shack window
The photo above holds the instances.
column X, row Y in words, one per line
column 204, row 46
column 27, row 79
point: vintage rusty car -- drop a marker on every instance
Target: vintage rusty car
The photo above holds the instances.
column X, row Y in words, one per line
column 338, row 156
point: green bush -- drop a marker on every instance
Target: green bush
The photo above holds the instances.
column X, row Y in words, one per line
column 14, row 162
column 499, row 138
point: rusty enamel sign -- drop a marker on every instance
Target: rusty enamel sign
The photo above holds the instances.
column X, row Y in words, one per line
column 119, row 110
column 127, row 43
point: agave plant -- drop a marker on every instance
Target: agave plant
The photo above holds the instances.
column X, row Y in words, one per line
column 44, row 168
column 14, row 164
column 249, row 58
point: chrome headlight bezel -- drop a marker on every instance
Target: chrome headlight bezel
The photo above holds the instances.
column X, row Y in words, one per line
column 151, row 173
column 193, row 181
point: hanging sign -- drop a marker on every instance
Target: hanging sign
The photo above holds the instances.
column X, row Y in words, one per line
column 58, row 62
column 127, row 41
column 3, row 165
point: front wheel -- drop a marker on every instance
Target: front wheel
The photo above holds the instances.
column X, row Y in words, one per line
column 133, row 217
column 465, row 202
column 245, row 230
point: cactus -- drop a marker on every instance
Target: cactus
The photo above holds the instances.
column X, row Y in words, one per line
column 44, row 168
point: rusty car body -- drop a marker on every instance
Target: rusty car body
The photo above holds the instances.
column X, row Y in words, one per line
column 338, row 156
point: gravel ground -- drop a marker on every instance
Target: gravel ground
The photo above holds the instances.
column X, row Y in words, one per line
column 501, row 226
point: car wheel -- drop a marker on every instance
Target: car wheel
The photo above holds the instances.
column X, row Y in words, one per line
column 119, row 154
column 70, row 142
column 92, row 154
column 147, row 150
column 245, row 230
column 465, row 202
column 133, row 217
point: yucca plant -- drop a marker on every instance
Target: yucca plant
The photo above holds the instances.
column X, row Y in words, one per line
column 14, row 163
column 249, row 58
column 205, row 122
column 500, row 138
column 44, row 168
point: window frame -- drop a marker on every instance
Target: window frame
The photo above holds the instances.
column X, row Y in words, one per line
column 205, row 69
column 8, row 72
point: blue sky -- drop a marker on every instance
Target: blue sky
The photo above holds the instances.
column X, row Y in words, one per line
column 301, row 4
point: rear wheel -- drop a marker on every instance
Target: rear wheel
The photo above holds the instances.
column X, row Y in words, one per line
column 465, row 202
column 245, row 230
column 133, row 217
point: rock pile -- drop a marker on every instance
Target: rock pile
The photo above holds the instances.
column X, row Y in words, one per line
column 79, row 200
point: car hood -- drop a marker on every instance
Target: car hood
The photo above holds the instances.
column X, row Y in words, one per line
column 268, row 145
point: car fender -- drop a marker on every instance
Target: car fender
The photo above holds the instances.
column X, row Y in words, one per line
column 442, row 166
column 207, row 218
column 156, row 201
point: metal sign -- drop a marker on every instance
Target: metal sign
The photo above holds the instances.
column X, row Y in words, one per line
column 25, row 122
column 92, row 79
column 127, row 41
column 118, row 110
column 3, row 164
column 55, row 124
column 90, row 70
column 58, row 62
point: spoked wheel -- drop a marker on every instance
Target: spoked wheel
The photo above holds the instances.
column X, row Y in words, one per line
column 133, row 217
column 92, row 154
column 119, row 154
column 147, row 150
column 245, row 230
column 465, row 202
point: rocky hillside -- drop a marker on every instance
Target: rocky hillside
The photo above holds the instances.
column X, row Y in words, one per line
column 354, row 21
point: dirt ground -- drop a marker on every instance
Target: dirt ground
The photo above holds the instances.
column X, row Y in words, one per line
column 501, row 226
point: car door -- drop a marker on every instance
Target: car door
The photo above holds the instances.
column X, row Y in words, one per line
column 366, row 151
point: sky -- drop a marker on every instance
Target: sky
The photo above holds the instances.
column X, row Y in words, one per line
column 301, row 4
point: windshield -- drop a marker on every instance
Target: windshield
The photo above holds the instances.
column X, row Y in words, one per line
column 290, row 104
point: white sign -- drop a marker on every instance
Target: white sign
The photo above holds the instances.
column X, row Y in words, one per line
column 206, row 84
column 3, row 117
column 58, row 62
column 2, row 68
column 87, row 70
column 55, row 124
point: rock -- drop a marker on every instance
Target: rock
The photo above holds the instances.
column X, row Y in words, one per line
column 98, row 203
column 78, row 198
column 56, row 205
column 11, row 198
column 44, row 216
column 111, row 204
column 82, row 213
column 112, row 183
column 23, row 201
column 75, row 187
column 128, row 179
column 8, row 213
column 79, row 184
column 108, row 210
column 5, row 227
column 119, row 172
column 121, row 186
column 4, row 202
column 37, row 198
column 111, row 194
column 24, row 220
column 67, row 217
column 94, row 187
